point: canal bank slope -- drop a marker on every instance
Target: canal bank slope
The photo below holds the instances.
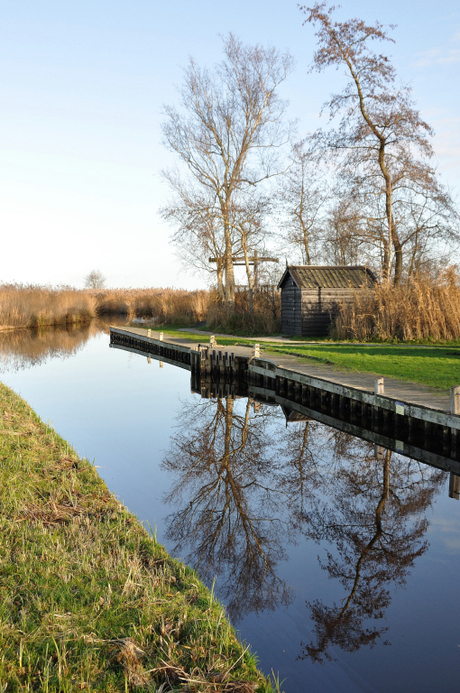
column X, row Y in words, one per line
column 88, row 599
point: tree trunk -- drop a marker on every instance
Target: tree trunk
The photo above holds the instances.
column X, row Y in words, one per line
column 228, row 269
column 220, row 280
column 398, row 258
column 250, row 277
column 306, row 248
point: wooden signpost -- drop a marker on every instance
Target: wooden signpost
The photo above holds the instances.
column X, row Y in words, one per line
column 254, row 260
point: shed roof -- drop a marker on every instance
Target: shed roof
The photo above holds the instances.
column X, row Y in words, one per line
column 314, row 276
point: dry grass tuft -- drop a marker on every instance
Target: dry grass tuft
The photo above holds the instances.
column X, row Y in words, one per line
column 125, row 653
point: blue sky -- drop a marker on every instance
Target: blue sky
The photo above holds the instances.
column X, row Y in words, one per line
column 82, row 89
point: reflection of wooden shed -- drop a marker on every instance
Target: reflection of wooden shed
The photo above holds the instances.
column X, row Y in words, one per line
column 311, row 294
column 293, row 416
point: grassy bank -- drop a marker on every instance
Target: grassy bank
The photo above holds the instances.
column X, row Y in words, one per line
column 88, row 599
column 436, row 366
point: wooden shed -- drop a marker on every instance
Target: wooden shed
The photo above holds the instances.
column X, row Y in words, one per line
column 310, row 296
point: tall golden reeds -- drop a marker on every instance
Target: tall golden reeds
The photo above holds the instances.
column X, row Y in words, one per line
column 265, row 317
column 173, row 306
column 40, row 306
column 35, row 306
column 423, row 308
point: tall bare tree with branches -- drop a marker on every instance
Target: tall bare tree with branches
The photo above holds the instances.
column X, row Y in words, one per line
column 382, row 138
column 302, row 198
column 228, row 132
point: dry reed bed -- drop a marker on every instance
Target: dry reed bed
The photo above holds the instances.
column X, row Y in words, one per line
column 420, row 309
column 40, row 306
column 35, row 306
column 264, row 319
column 165, row 305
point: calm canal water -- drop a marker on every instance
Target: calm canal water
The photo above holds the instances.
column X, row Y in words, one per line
column 340, row 569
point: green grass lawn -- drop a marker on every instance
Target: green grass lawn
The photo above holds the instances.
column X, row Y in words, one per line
column 436, row 366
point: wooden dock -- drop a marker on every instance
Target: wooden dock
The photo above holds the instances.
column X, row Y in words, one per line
column 402, row 416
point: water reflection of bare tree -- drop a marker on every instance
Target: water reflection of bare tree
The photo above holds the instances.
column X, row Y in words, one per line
column 374, row 517
column 230, row 523
column 301, row 448
column 246, row 488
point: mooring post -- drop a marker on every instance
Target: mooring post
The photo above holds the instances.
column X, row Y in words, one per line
column 454, row 409
column 257, row 351
column 149, row 333
column 379, row 386
column 161, row 336
column 455, row 399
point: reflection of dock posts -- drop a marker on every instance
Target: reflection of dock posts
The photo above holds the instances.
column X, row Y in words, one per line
column 454, row 486
column 379, row 452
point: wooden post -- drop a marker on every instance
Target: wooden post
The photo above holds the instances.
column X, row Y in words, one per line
column 379, row 452
column 455, row 399
column 379, row 386
column 454, row 409
column 454, row 486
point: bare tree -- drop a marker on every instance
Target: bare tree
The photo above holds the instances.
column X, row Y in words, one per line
column 229, row 128
column 197, row 230
column 94, row 280
column 424, row 214
column 344, row 234
column 302, row 197
column 251, row 234
column 383, row 140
